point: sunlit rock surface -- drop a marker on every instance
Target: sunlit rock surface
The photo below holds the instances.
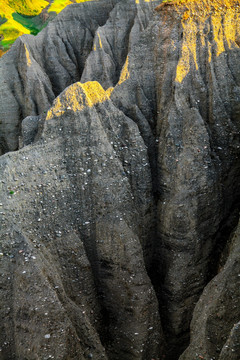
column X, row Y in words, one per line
column 120, row 202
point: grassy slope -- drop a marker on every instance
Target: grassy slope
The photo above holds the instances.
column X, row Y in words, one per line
column 11, row 29
column 20, row 17
column 59, row 5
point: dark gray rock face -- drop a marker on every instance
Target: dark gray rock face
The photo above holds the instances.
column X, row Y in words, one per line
column 215, row 333
column 39, row 68
column 122, row 207
column 81, row 42
column 29, row 129
column 78, row 246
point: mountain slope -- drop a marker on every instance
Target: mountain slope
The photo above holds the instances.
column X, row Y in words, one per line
column 120, row 184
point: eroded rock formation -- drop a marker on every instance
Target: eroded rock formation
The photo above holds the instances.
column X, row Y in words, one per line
column 121, row 203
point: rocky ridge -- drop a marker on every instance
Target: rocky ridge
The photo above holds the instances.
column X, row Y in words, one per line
column 121, row 207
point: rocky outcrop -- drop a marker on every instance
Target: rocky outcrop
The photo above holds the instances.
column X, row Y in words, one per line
column 39, row 68
column 121, row 208
column 198, row 161
column 77, row 248
column 214, row 331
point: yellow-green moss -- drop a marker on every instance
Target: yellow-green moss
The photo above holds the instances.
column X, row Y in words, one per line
column 59, row 5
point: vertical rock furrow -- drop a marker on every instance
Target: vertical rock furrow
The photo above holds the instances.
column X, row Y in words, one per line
column 121, row 207
column 91, row 196
column 214, row 329
column 110, row 46
column 195, row 165
column 38, row 68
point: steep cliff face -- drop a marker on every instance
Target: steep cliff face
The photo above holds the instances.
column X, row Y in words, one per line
column 120, row 210
column 78, row 247
column 215, row 325
column 198, row 152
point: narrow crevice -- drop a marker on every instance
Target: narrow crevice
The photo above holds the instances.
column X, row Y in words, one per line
column 125, row 51
column 89, row 242
column 222, row 240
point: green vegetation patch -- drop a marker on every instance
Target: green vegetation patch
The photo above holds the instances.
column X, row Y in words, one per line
column 32, row 23
column 6, row 44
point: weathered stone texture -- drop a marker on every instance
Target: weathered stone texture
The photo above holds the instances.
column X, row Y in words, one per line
column 122, row 207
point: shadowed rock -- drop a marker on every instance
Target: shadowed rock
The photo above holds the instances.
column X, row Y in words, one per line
column 123, row 209
column 29, row 129
column 214, row 333
column 83, row 236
